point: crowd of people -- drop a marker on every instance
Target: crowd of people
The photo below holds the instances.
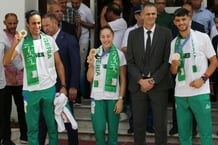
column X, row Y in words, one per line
column 143, row 61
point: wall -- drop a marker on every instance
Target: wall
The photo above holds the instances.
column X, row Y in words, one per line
column 16, row 6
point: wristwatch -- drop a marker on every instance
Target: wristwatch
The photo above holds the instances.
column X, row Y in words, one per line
column 120, row 98
column 152, row 81
column 204, row 78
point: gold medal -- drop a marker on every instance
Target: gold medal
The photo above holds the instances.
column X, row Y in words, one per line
column 23, row 33
column 93, row 51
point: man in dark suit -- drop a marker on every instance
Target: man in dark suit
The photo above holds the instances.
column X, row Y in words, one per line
column 148, row 52
column 69, row 54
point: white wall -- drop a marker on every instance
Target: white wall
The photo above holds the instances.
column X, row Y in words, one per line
column 18, row 7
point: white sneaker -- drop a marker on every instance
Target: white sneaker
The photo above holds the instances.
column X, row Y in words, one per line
column 123, row 116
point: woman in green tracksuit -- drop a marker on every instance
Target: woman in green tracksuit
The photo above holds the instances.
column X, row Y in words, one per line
column 107, row 73
column 40, row 56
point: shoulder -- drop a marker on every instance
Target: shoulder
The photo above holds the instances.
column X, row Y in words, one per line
column 67, row 37
column 200, row 36
column 84, row 7
column 137, row 30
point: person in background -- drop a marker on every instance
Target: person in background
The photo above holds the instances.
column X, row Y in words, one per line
column 41, row 61
column 2, row 94
column 131, row 21
column 107, row 74
column 202, row 15
column 86, row 20
column 163, row 18
column 14, row 79
column 110, row 15
column 69, row 54
column 56, row 9
column 190, row 53
column 67, row 16
column 149, row 77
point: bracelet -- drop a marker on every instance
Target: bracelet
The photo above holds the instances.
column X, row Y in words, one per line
column 206, row 75
column 204, row 78
column 120, row 98
column 63, row 86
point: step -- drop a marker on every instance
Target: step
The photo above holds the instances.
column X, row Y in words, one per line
column 82, row 114
column 83, row 111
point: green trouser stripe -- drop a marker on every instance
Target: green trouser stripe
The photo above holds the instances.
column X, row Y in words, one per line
column 36, row 101
column 102, row 112
column 201, row 108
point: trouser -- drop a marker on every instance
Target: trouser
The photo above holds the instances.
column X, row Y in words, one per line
column 175, row 118
column 2, row 112
column 16, row 92
column 200, row 106
column 40, row 101
column 83, row 54
column 102, row 113
column 149, row 116
column 71, row 133
column 159, row 102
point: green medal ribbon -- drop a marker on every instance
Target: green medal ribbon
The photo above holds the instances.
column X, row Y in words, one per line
column 30, row 62
column 30, row 55
column 178, row 49
column 112, row 70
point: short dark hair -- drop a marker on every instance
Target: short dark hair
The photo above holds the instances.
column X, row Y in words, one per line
column 107, row 27
column 30, row 13
column 181, row 12
column 114, row 7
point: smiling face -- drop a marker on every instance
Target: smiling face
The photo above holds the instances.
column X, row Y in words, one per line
column 182, row 23
column 106, row 38
column 34, row 25
column 149, row 14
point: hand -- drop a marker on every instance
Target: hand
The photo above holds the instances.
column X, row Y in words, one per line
column 90, row 60
column 197, row 83
column 175, row 63
column 72, row 94
column 77, row 19
column 103, row 11
column 146, row 84
column 17, row 37
column 119, row 106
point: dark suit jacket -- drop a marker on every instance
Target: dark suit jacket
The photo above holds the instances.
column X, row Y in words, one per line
column 159, row 58
column 194, row 25
column 70, row 56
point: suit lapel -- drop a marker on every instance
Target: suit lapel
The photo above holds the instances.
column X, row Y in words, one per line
column 155, row 38
column 141, row 43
